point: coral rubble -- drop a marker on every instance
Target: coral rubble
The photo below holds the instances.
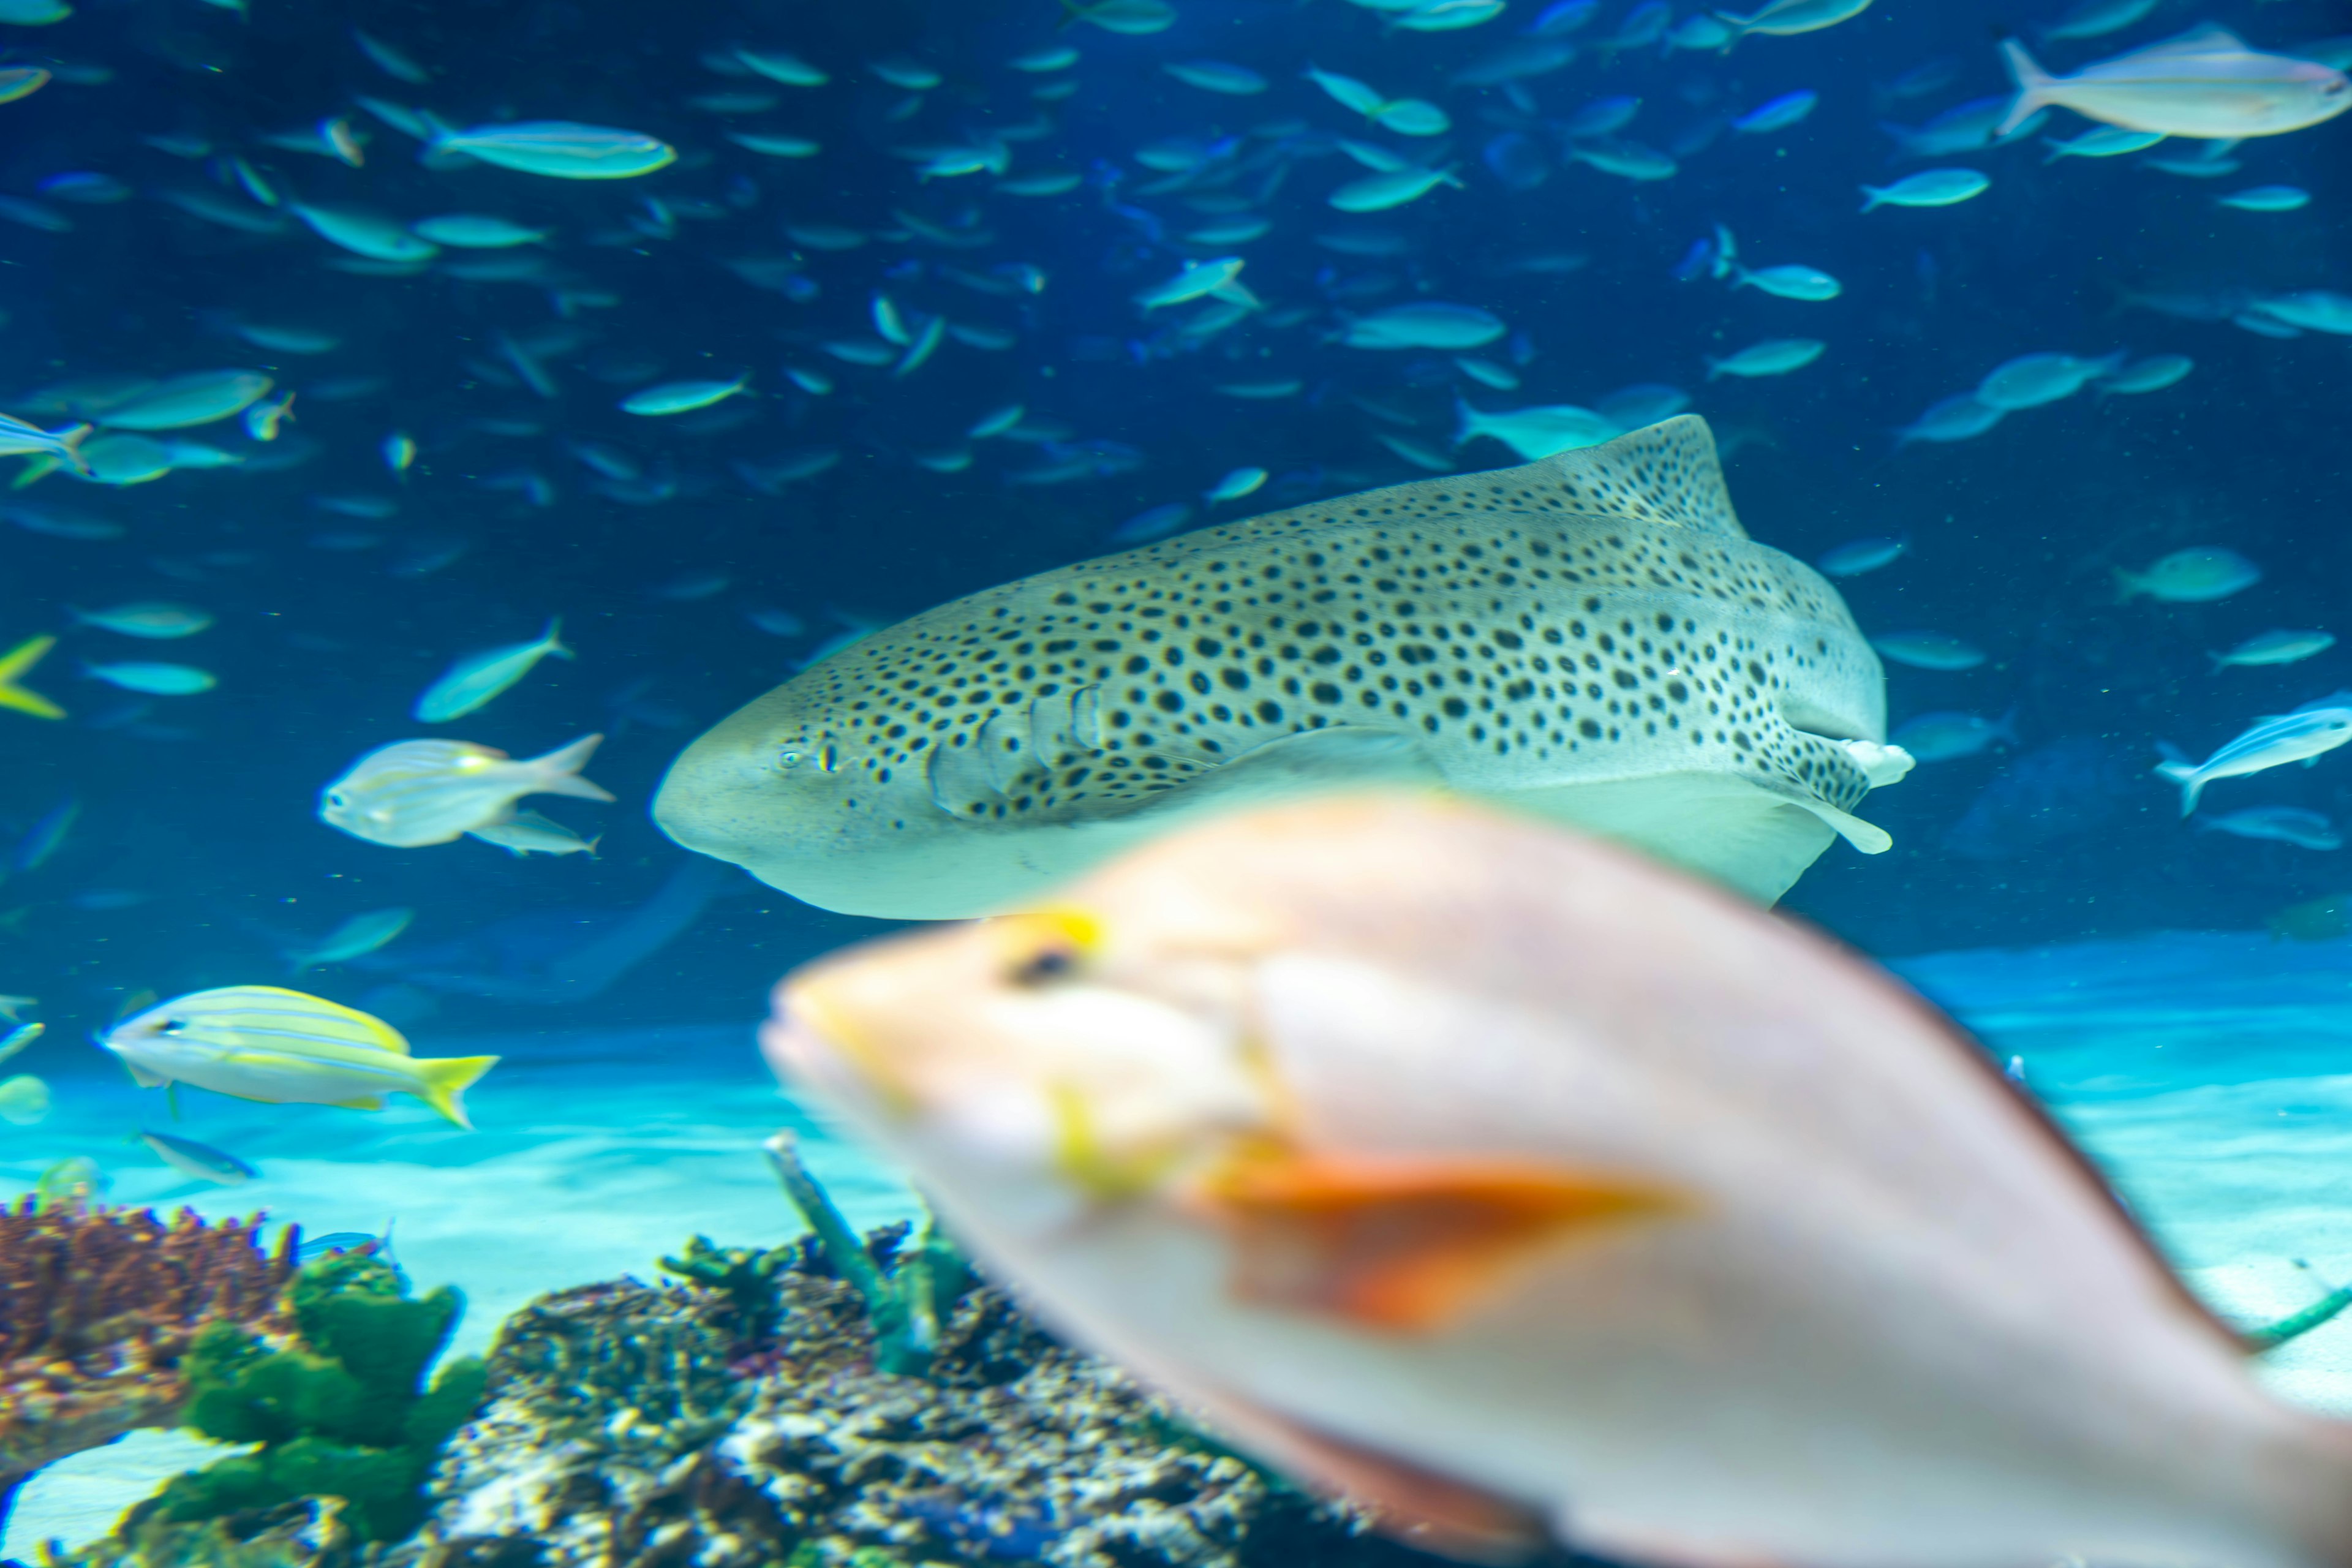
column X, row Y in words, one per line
column 99, row 1310
column 628, row 1425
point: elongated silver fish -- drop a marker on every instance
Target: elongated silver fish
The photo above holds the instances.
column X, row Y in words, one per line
column 1591, row 636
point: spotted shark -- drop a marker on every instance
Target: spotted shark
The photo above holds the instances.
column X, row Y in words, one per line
column 1592, row 637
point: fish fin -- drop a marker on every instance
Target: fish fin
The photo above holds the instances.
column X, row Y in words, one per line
column 2185, row 776
column 2204, row 38
column 2034, row 84
column 1665, row 473
column 1421, row 1507
column 144, row 1078
column 1406, row 1244
column 559, row 771
column 15, row 662
column 554, row 637
column 442, row 1079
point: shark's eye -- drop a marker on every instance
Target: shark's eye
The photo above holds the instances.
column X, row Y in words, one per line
column 788, row 759
column 336, row 799
column 172, row 1026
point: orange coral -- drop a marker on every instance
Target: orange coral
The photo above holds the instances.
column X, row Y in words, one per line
column 97, row 1307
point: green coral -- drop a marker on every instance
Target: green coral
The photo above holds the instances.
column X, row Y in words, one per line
column 344, row 1411
column 745, row 1276
column 905, row 1306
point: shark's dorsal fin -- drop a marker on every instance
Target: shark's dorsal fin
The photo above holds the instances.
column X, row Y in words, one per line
column 1663, row 474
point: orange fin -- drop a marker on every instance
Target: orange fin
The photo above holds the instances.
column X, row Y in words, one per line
column 1403, row 1243
column 1421, row 1507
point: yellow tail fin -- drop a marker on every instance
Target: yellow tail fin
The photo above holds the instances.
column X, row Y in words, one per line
column 15, row 662
column 441, row 1080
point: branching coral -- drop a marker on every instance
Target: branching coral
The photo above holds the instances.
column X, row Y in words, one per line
column 99, row 1308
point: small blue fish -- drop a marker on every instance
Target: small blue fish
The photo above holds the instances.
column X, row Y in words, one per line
column 154, row 680
column 1778, row 114
column 197, row 1162
column 1861, row 555
column 1236, row 485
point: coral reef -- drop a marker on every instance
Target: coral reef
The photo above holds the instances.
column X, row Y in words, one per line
column 628, row 1425
column 99, row 1309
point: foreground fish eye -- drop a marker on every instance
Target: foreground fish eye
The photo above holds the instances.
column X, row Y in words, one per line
column 788, row 759
column 1045, row 966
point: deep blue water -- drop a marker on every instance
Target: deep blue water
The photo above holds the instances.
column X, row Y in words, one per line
column 196, row 854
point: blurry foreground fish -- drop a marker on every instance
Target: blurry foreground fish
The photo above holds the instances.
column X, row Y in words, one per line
column 359, row 934
column 1108, row 724
column 2196, row 575
column 284, row 1048
column 1521, row 1187
column 197, row 1162
column 2205, row 82
column 415, row 792
column 478, row 677
column 2270, row 743
column 2279, row 824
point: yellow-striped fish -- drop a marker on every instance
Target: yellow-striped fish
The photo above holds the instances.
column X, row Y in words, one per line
column 15, row 662
column 285, row 1047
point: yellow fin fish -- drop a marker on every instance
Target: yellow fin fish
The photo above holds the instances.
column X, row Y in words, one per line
column 286, row 1048
column 1524, row 1187
column 12, row 665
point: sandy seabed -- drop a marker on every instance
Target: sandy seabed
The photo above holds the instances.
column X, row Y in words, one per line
column 2210, row 1073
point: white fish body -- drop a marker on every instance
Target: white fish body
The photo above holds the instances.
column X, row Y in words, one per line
column 2271, row 743
column 154, row 680
column 197, row 1162
column 2153, row 374
column 2032, row 380
column 1789, row 281
column 527, row 832
column 2273, row 647
column 1536, row 433
column 562, row 149
column 1942, row 737
column 156, row 621
column 1086, row 716
column 361, row 933
column 413, row 793
column 1928, row 650
column 1781, row 19
column 2196, row 575
column 1927, row 188
column 285, row 1047
column 478, row 677
column 2278, row 823
column 2204, row 83
column 1774, row 356
column 1520, row 1188
column 1858, row 557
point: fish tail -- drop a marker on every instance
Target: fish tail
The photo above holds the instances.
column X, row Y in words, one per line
column 2220, row 660
column 2191, row 782
column 559, row 771
column 2034, row 84
column 2127, row 584
column 441, row 1080
column 554, row 637
column 1871, row 198
column 69, row 447
column 1715, row 365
